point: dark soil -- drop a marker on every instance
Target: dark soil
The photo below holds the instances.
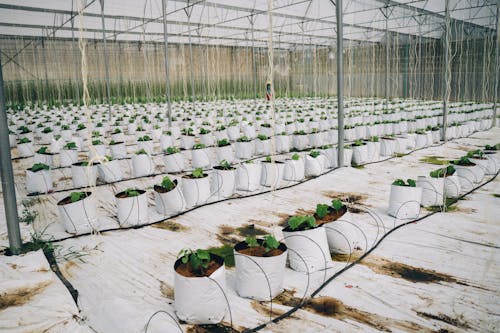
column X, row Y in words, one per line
column 187, row 271
column 67, row 200
column 259, row 251
column 161, row 189
column 123, row 194
column 192, row 177
column 217, row 167
column 331, row 216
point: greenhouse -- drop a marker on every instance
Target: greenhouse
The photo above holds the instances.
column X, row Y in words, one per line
column 249, row 166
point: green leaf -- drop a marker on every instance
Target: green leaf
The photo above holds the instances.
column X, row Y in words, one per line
column 77, row 196
column 270, row 243
column 411, row 183
column 167, row 183
column 314, row 153
column 399, row 182
column 131, row 192
column 337, row 205
column 199, row 146
column 39, row 166
column 198, row 173
column 299, row 222
column 321, row 210
column 172, row 150
column 251, row 241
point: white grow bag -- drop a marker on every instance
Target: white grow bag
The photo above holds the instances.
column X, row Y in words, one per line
column 83, row 176
column 196, row 191
column 300, row 142
column 67, row 157
column 174, row 162
column 469, row 175
column 132, row 210
column 109, row 172
column 360, row 154
column 308, row 249
column 314, row 166
column 343, row 235
column 142, row 165
column 244, row 150
column 200, row 300
column 26, row 149
column 452, row 187
column 118, row 150
column 404, row 202
column 487, row 165
column 225, row 153
column 262, row 147
column 259, row 278
column 282, row 143
column 38, row 182
column 200, row 158
column 171, row 202
column 294, row 170
column 223, row 183
column 248, row 176
column 432, row 191
column 187, row 141
column 79, row 217
column 272, row 173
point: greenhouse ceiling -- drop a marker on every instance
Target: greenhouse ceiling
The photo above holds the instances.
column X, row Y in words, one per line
column 234, row 22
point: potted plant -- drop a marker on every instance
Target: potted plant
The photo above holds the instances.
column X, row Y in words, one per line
column 42, row 155
column 224, row 151
column 300, row 140
column 233, row 130
column 244, row 148
column 294, row 168
column 272, row 172
column 266, row 129
column 330, row 153
column 433, row 187
column 199, row 283
column 68, row 154
column 199, row 156
column 83, row 174
column 196, row 188
column 387, row 146
column 168, row 197
column 109, row 170
column 173, row 160
column 132, row 207
column 307, row 243
column 404, row 200
column 359, row 152
column 118, row 149
column 131, row 126
column 373, row 146
column 248, row 176
column 39, row 179
column 117, row 135
column 221, row 133
column 315, row 138
column 142, row 164
column 98, row 148
column 315, row 163
column 25, row 147
column 82, row 131
column 166, row 140
column 187, row 138
column 262, row 145
column 343, row 236
column 468, row 172
column 145, row 143
column 223, row 180
column 260, row 267
column 282, row 142
column 421, row 139
column 206, row 137
column 56, row 144
column 46, row 136
column 78, row 212
column 488, row 165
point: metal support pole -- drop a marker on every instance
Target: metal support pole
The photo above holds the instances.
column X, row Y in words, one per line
column 446, row 49
column 497, row 70
column 254, row 64
column 189, row 11
column 165, row 57
column 9, row 191
column 75, row 60
column 340, row 85
column 386, row 57
column 108, row 89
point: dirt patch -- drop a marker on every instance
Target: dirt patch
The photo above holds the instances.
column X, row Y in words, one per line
column 187, row 270
column 436, row 160
column 263, row 309
column 226, row 233
column 170, row 225
column 21, row 296
column 261, row 223
column 348, row 197
column 212, row 328
column 66, row 268
column 250, row 230
column 457, row 322
column 346, row 257
column 334, row 308
column 166, row 290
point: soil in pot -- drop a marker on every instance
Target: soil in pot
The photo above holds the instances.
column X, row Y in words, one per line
column 332, row 215
column 123, row 195
column 67, row 200
column 187, row 270
column 161, row 189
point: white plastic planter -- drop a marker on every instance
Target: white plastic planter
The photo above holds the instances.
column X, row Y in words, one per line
column 248, row 176
column 308, row 249
column 421, row 141
column 207, row 139
column 46, row 138
column 26, row 149
column 272, row 173
column 294, row 170
column 373, row 151
column 343, row 237
column 469, row 175
column 43, row 158
column 432, row 191
column 233, row 132
column 56, row 146
column 171, row 202
column 117, row 137
column 200, row 158
column 146, row 145
column 79, row 217
column 494, row 159
column 347, row 157
column 174, row 162
column 225, row 153
column 97, row 151
column 259, row 278
column 486, row 164
column 39, row 182
column 249, row 131
column 196, row 191
column 142, row 165
column 187, row 141
column 331, row 157
column 314, row 166
column 262, row 147
column 223, row 182
column 83, row 176
column 109, row 172
column 166, row 141
column 118, row 150
column 132, row 210
column 404, row 202
column 360, row 154
column 282, row 143
column 387, row 147
column 244, row 150
column 67, row 157
column 452, row 187
column 220, row 135
column 200, row 300
column 300, row 142
column 12, row 140
column 316, row 139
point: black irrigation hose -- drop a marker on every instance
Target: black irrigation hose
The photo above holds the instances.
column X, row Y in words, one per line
column 330, row 279
column 237, row 197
